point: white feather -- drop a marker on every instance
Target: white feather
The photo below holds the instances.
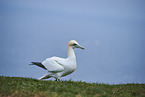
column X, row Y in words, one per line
column 58, row 67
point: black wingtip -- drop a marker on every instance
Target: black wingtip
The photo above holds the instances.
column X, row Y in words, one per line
column 32, row 63
column 38, row 64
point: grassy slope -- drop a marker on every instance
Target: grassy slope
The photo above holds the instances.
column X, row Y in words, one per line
column 17, row 86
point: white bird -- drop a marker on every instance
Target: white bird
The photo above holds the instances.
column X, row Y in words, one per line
column 58, row 67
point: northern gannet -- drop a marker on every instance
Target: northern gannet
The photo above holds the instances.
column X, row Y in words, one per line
column 58, row 67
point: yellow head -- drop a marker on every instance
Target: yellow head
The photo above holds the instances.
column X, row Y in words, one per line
column 73, row 44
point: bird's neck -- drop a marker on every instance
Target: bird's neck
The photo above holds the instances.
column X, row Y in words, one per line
column 70, row 52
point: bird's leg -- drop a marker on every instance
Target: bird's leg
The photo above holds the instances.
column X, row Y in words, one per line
column 47, row 75
column 57, row 79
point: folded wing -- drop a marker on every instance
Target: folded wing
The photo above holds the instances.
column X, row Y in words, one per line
column 52, row 65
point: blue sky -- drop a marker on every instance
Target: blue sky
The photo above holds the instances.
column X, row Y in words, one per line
column 112, row 33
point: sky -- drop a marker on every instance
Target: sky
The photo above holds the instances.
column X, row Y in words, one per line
column 111, row 31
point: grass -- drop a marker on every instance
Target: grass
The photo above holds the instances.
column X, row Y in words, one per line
column 27, row 87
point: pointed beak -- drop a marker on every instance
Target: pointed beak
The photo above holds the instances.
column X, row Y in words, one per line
column 78, row 46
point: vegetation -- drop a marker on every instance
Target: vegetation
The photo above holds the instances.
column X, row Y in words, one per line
column 27, row 87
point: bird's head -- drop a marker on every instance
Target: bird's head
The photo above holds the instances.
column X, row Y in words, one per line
column 73, row 44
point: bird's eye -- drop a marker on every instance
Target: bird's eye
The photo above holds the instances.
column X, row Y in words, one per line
column 74, row 44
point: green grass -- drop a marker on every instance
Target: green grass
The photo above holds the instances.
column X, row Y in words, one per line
column 27, row 87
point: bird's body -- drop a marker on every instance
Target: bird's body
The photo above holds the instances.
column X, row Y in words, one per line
column 58, row 67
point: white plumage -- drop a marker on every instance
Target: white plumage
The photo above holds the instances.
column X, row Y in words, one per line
column 58, row 67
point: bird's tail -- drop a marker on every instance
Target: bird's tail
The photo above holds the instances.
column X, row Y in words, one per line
column 38, row 64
